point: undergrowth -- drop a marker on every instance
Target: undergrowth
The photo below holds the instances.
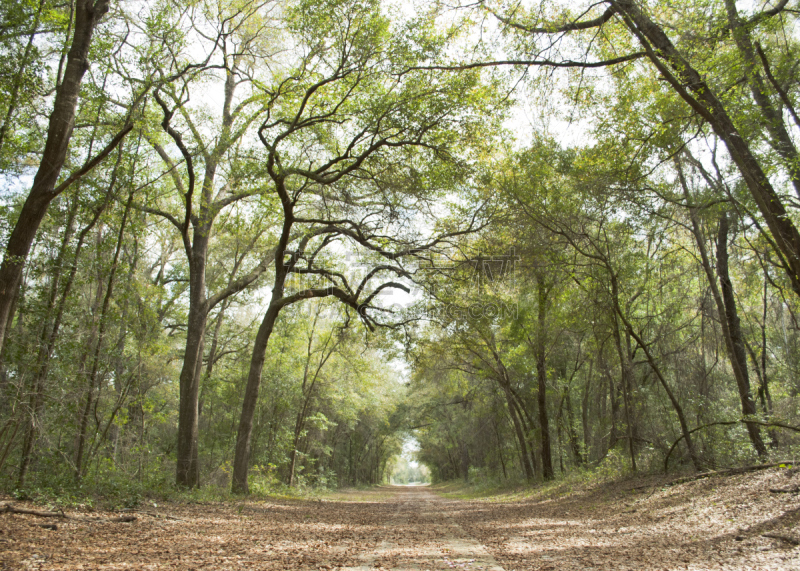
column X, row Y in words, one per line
column 107, row 488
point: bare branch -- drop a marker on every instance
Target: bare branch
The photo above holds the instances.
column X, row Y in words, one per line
column 555, row 29
column 535, row 62
column 96, row 160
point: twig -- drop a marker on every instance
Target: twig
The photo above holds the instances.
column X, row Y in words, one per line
column 730, row 472
column 10, row 508
column 727, row 423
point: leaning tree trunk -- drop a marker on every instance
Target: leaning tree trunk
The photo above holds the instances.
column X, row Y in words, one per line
column 527, row 466
column 690, row 85
column 59, row 133
column 244, row 434
column 627, row 374
column 780, row 139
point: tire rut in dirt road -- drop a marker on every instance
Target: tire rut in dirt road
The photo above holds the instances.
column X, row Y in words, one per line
column 421, row 535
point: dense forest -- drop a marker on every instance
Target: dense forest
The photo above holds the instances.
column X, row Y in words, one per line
column 263, row 243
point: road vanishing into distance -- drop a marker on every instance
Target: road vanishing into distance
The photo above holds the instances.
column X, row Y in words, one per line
column 647, row 523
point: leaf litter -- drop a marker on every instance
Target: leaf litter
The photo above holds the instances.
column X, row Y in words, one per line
column 731, row 523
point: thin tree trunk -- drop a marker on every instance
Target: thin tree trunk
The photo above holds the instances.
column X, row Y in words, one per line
column 764, row 390
column 625, row 369
column 499, row 449
column 738, row 355
column 587, row 437
column 244, row 433
column 571, row 432
column 526, row 461
column 43, row 360
column 92, row 380
column 307, row 390
column 687, row 436
column 613, row 435
column 726, row 307
column 541, row 378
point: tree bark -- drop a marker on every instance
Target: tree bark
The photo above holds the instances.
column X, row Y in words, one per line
column 627, row 374
column 187, row 473
column 525, row 457
column 571, row 432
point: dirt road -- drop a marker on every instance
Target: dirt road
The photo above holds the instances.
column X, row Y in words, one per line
column 709, row 524
column 421, row 532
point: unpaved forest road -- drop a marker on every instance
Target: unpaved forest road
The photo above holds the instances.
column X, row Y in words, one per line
column 707, row 524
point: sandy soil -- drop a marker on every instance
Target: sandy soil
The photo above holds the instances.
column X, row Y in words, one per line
column 715, row 523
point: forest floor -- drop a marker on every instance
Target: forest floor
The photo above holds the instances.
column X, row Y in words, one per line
column 644, row 523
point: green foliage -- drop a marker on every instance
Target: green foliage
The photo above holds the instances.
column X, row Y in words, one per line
column 577, row 314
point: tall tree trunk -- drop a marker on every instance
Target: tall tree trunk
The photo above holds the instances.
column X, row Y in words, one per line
column 587, row 435
column 59, row 133
column 299, row 424
column 738, row 354
column 764, row 387
column 36, row 396
column 527, row 466
column 626, row 374
column 613, row 397
column 212, row 354
column 499, row 449
column 571, row 432
column 541, row 378
column 463, row 452
column 724, row 299
column 187, row 472
column 244, row 433
column 307, row 391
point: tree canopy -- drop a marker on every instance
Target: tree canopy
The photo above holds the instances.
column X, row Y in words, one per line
column 265, row 243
